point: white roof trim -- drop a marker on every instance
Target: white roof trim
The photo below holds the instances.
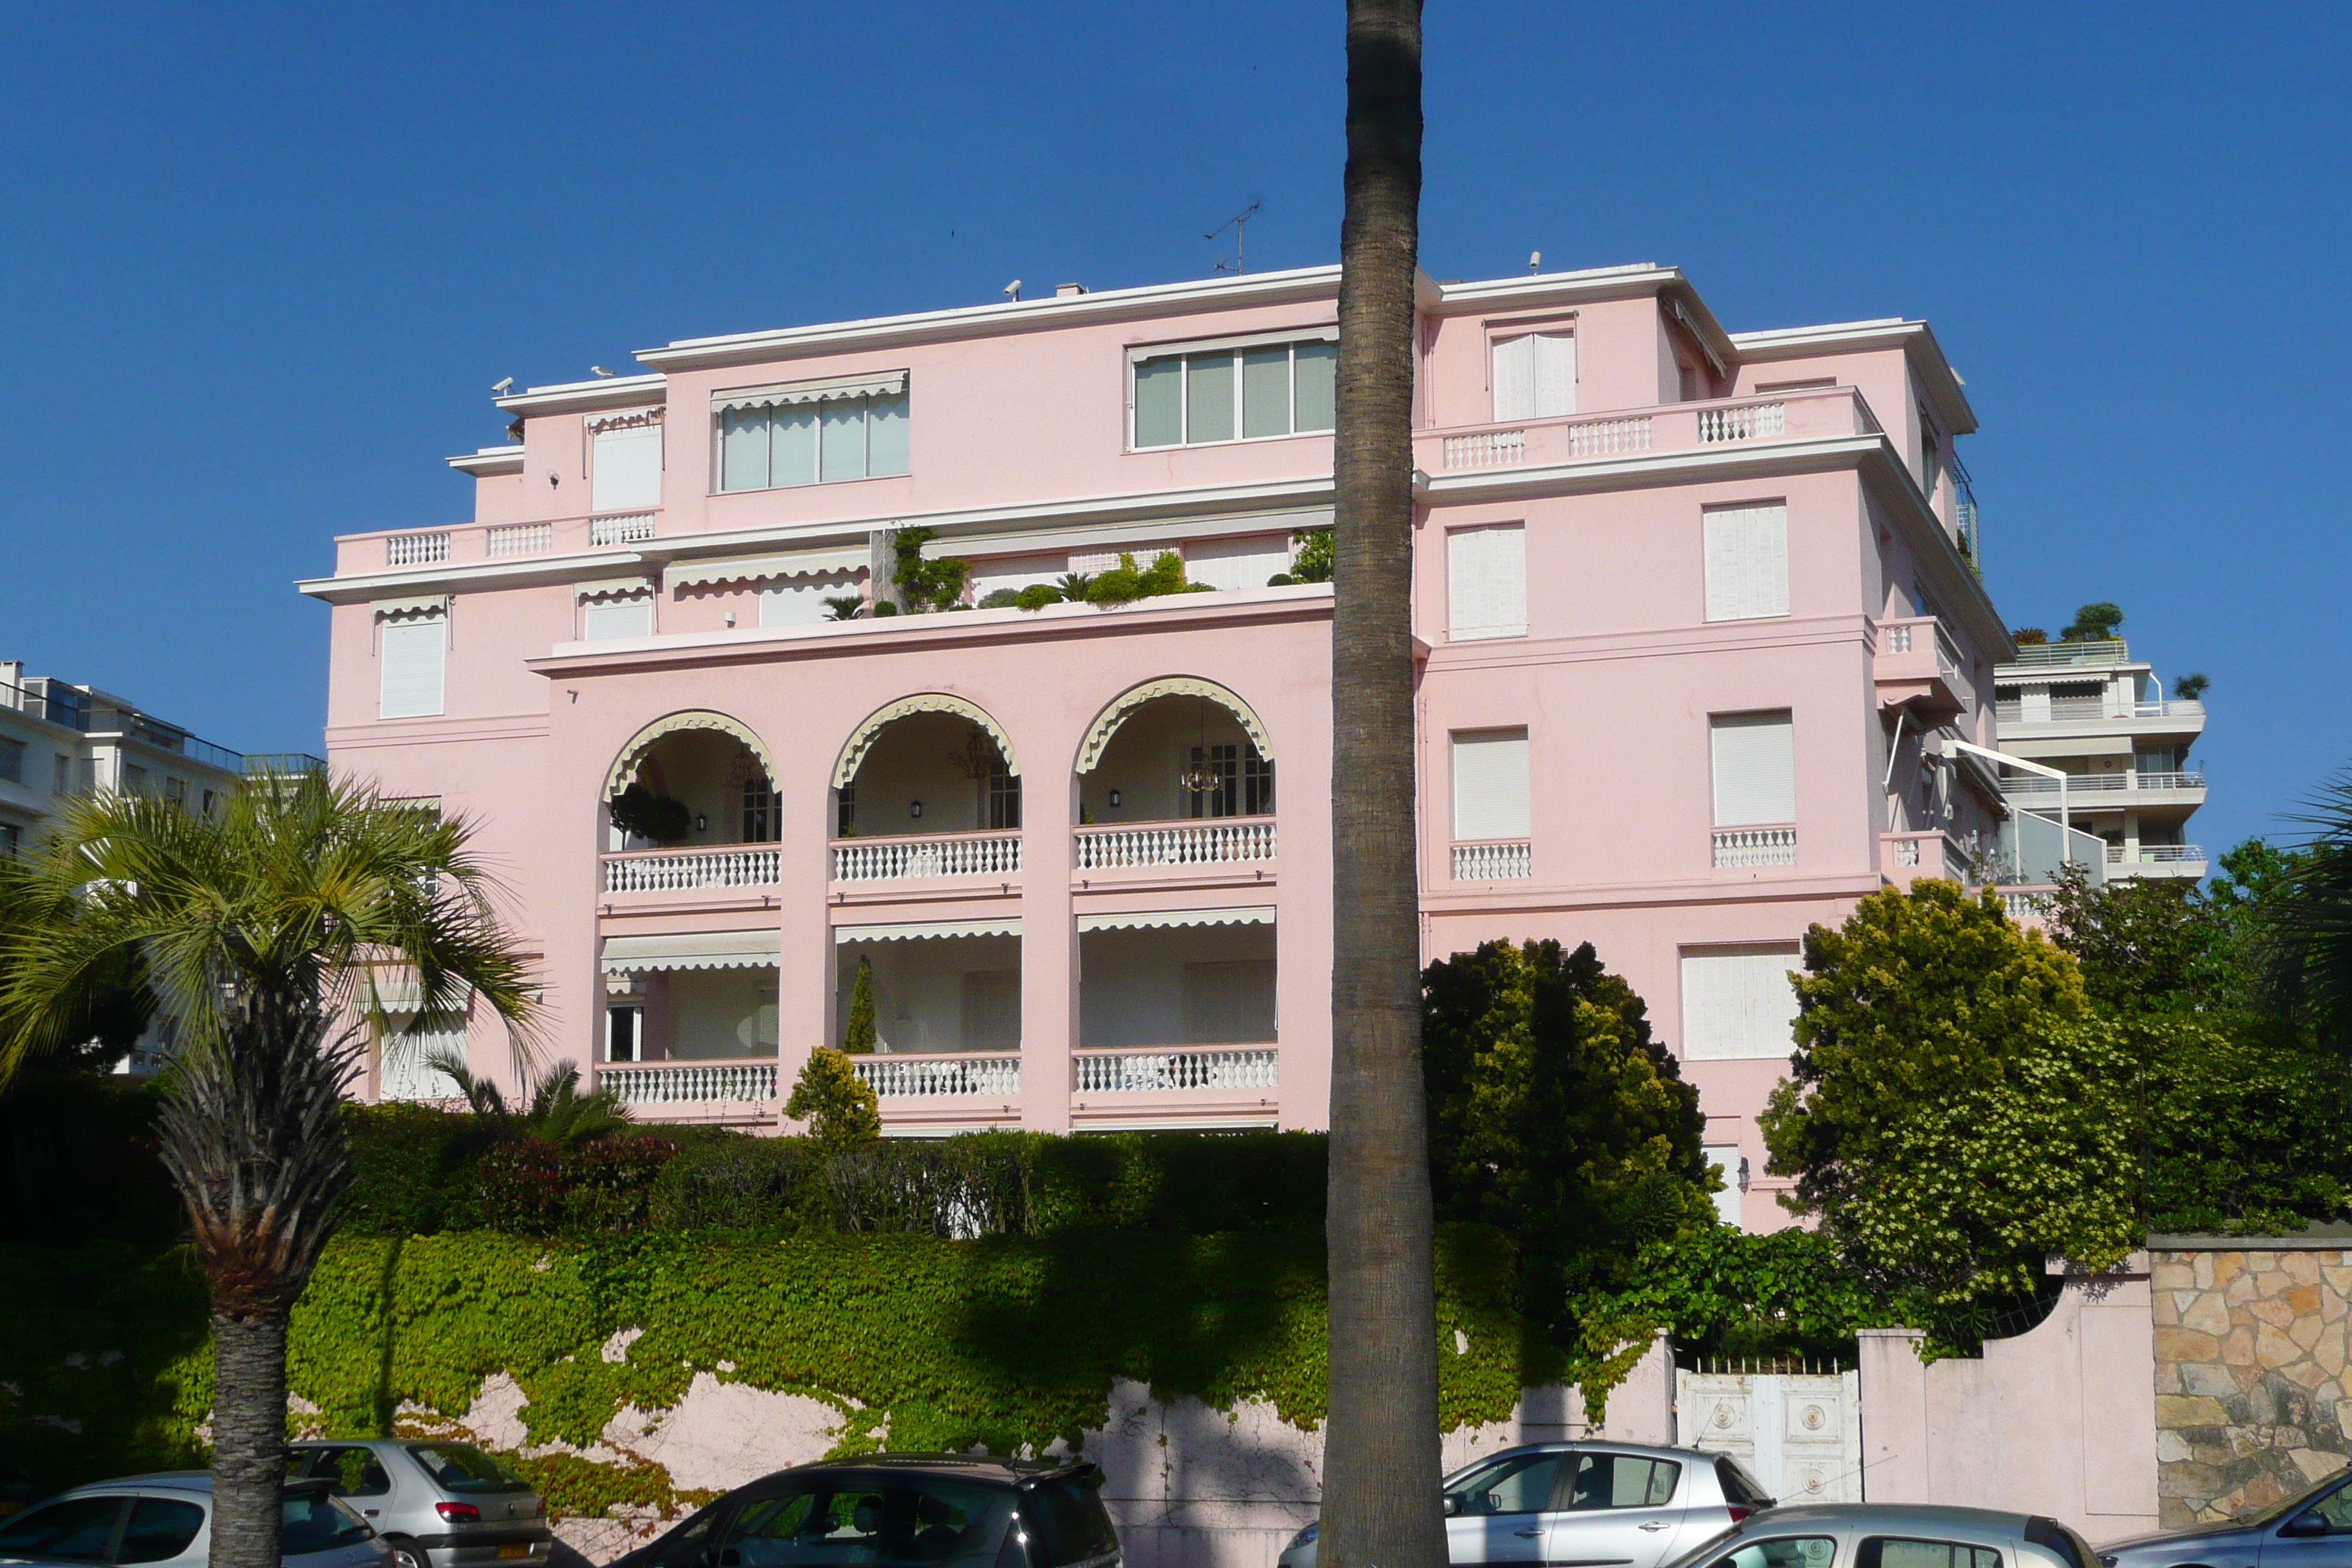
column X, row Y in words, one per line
column 785, row 394
column 1327, row 334
column 489, row 460
column 694, row 949
column 921, row 930
column 1156, row 920
column 585, row 396
column 414, row 605
column 760, row 568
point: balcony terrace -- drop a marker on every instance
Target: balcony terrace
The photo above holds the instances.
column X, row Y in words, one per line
column 1812, row 413
column 1917, row 665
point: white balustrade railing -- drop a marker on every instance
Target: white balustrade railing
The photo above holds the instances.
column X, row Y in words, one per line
column 2025, row 906
column 1898, row 639
column 1907, row 852
column 519, row 539
column 1609, row 438
column 680, row 1083
column 416, row 548
column 932, row 855
column 2112, row 650
column 626, row 528
column 1738, row 847
column 671, row 870
column 1485, row 449
column 1494, row 860
column 929, row 1077
column 2155, row 854
column 1120, row 1072
column 1210, row 841
column 1745, row 423
column 2096, row 783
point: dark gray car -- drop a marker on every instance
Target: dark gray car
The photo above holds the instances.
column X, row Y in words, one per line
column 2312, row 1529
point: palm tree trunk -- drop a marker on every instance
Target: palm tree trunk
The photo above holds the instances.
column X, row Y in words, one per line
column 1380, row 1472
column 248, row 1436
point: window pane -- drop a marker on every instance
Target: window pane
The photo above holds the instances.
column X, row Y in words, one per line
column 1799, row 1551
column 1265, row 392
column 886, row 434
column 1521, row 1484
column 1318, row 365
column 160, row 1528
column 1917, row 1554
column 76, row 1528
column 1159, row 401
column 1746, row 562
column 1490, row 784
column 743, row 449
column 792, row 460
column 1209, row 398
column 844, row 439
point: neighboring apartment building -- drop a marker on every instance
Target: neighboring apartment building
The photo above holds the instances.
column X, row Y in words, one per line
column 1693, row 620
column 2098, row 715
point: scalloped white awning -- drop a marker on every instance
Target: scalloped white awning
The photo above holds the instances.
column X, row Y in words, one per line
column 889, row 714
column 1097, row 741
column 759, row 568
column 1158, row 920
column 783, row 395
column 627, row 588
column 693, row 949
column 625, row 766
column 918, row 930
column 414, row 605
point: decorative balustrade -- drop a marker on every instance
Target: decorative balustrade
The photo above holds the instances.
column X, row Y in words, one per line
column 930, row 1077
column 1122, row 1072
column 1485, row 449
column 519, row 539
column 1740, row 847
column 927, row 855
column 685, row 1083
column 674, row 871
column 2100, row 783
column 1933, row 853
column 625, row 527
column 416, row 548
column 1210, row 841
column 1898, row 639
column 2025, row 906
column 2155, row 854
column 1609, row 438
column 1494, row 860
column 1748, row 422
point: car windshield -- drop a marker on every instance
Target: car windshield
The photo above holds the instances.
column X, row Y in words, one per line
column 310, row 1520
column 2310, row 1498
column 462, row 1467
column 1067, row 1522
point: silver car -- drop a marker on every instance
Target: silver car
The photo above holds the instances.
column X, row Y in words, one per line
column 2312, row 1529
column 437, row 1504
column 1584, row 1503
column 165, row 1521
column 1891, row 1535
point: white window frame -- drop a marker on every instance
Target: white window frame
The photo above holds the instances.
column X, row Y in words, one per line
column 1719, row 724
column 718, row 486
column 1457, row 740
column 1238, row 346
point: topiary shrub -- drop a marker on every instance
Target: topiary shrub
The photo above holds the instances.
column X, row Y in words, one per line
column 1001, row 599
column 1037, row 596
column 639, row 811
column 837, row 1105
column 857, row 1037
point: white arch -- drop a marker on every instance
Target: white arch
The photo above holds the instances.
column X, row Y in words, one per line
column 862, row 738
column 625, row 767
column 1097, row 741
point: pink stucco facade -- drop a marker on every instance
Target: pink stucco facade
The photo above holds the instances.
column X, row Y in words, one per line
column 1692, row 612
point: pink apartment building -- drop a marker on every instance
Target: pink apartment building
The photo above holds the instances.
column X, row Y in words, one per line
column 1695, row 615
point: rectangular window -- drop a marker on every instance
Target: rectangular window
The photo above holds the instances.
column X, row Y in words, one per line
column 1230, row 563
column 1253, row 392
column 1755, row 757
column 1486, row 582
column 11, row 760
column 1224, row 762
column 1732, row 1166
column 801, row 601
column 1229, row 1004
column 212, row 802
column 134, row 779
column 759, row 810
column 61, row 773
column 413, row 653
column 1003, row 796
column 1490, row 784
column 1737, row 1001
column 621, row 616
column 1535, row 377
column 844, row 823
column 176, row 792
column 626, row 470
column 810, row 441
column 1746, row 562
column 1931, row 454
column 89, row 771
column 992, row 1010
column 625, row 1029
column 1257, row 784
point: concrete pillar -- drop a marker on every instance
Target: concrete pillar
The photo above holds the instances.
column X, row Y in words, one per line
column 1893, row 1416
column 1049, row 949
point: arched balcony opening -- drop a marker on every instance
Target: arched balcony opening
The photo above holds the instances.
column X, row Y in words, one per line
column 1177, row 772
column 929, row 786
column 690, row 803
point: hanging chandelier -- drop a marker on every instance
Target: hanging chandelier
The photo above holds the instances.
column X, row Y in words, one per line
column 1204, row 778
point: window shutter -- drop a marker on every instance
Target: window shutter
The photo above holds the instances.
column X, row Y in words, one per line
column 626, row 474
column 1515, row 379
column 402, row 1072
column 801, row 601
column 1738, row 1002
column 603, row 618
column 1229, row 563
column 1486, row 582
column 413, row 656
column 1747, row 562
column 1554, row 374
column 1229, row 1003
column 1755, row 769
column 1490, row 784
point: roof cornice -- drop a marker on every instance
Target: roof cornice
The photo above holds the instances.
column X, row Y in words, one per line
column 451, row 576
column 587, row 397
column 489, row 460
column 1916, row 339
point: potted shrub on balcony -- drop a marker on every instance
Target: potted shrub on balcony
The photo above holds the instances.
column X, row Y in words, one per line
column 656, row 818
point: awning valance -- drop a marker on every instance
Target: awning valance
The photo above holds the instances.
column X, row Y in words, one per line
column 625, row 766
column 1154, row 920
column 626, row 588
column 693, row 949
column 919, row 930
column 783, row 395
column 410, row 607
column 759, row 568
column 844, row 767
column 1105, row 725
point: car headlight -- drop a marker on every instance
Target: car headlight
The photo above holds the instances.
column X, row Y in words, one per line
column 1305, row 1537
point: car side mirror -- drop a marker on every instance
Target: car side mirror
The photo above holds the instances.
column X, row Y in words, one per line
column 1453, row 1506
column 2303, row 1524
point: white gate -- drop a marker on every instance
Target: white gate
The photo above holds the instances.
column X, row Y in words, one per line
column 1795, row 1428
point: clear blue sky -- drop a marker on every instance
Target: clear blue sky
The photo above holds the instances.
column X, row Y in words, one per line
column 262, row 264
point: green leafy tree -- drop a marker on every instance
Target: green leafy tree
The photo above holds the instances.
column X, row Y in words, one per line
column 1953, row 1113
column 838, row 1106
column 857, row 1038
column 258, row 928
column 2093, row 623
column 926, row 585
column 2142, row 943
column 657, row 817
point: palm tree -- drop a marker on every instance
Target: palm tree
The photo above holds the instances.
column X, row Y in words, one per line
column 558, row 1111
column 1381, row 1462
column 2305, row 938
column 260, row 931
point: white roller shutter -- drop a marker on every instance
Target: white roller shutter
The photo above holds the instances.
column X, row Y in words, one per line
column 603, row 618
column 626, row 475
column 1486, row 582
column 414, row 654
column 1737, row 1001
column 1747, row 562
column 1755, row 769
column 1490, row 784
column 801, row 601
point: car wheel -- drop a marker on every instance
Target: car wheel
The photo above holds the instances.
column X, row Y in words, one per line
column 407, row 1555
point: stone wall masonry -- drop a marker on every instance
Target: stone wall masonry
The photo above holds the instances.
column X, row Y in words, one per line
column 2252, row 1399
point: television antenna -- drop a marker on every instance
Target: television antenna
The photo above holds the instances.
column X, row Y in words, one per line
column 1239, row 224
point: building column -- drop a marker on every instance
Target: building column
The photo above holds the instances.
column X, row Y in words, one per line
column 1049, row 951
column 804, row 964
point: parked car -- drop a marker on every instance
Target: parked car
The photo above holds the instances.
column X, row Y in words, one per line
column 1891, row 1535
column 437, row 1504
column 2312, row 1529
column 1586, row 1503
column 165, row 1519
column 900, row 1511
